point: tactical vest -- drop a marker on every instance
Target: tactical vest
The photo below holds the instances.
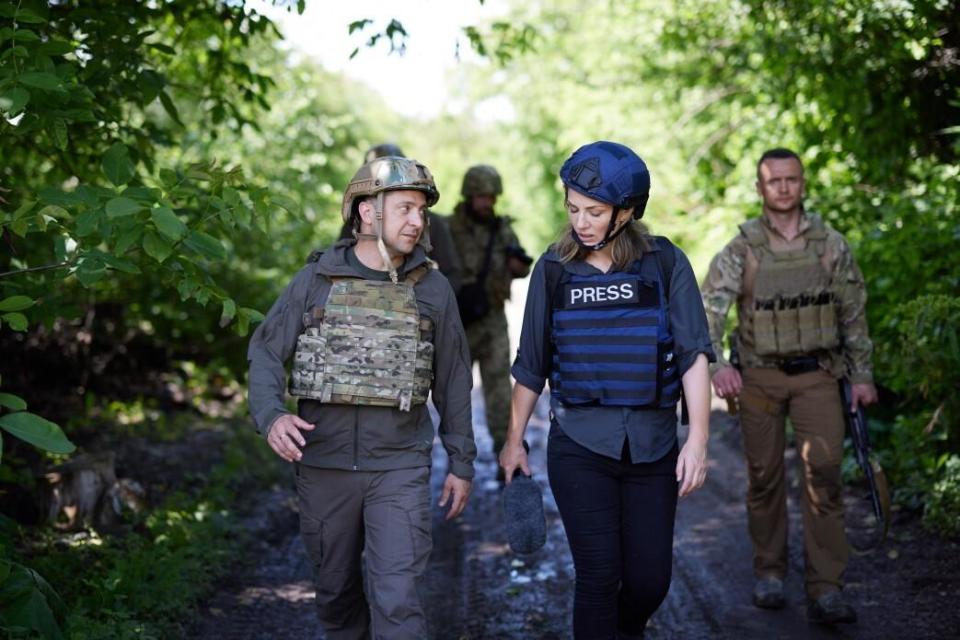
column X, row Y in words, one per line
column 367, row 345
column 794, row 308
column 611, row 339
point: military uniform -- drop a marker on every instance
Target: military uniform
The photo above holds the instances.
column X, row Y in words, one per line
column 488, row 336
column 801, row 325
column 367, row 348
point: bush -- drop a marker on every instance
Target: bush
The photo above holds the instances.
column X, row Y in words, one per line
column 942, row 512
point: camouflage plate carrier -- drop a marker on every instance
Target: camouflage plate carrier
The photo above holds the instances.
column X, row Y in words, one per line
column 367, row 345
column 794, row 307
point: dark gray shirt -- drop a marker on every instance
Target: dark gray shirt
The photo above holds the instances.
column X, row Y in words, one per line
column 651, row 433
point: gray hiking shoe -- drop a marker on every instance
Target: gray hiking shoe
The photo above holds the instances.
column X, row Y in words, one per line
column 768, row 593
column 830, row 608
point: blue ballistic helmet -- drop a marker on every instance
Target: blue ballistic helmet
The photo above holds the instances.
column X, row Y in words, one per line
column 611, row 173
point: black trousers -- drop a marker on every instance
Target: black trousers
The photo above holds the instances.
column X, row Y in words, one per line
column 618, row 518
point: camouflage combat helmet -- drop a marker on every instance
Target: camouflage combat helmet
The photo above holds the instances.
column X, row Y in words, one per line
column 383, row 150
column 390, row 173
column 481, row 180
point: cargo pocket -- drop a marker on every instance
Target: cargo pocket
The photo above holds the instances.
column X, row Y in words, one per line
column 311, row 530
column 421, row 536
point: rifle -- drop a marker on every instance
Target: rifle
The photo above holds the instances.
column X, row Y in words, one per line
column 876, row 479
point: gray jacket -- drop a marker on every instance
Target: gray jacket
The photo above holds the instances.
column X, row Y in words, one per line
column 366, row 438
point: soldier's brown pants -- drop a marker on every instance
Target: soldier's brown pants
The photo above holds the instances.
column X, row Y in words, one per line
column 489, row 344
column 386, row 516
column 812, row 400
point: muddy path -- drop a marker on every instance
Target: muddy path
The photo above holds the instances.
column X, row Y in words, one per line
column 476, row 588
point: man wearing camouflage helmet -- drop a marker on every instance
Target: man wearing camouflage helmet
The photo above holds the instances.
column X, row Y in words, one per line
column 492, row 257
column 372, row 328
column 436, row 240
column 801, row 303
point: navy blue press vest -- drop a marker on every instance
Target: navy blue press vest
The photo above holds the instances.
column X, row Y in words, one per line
column 611, row 338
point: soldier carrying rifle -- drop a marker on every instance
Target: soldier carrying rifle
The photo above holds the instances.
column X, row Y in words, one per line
column 801, row 308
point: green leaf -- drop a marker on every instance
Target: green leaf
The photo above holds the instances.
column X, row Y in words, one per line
column 54, row 47
column 168, row 177
column 24, row 209
column 60, row 134
column 90, row 270
column 169, row 107
column 40, row 80
column 37, row 431
column 187, row 286
column 168, row 223
column 284, row 202
column 28, row 16
column 121, row 264
column 14, row 100
column 127, row 239
column 156, row 247
column 16, row 303
column 54, row 211
column 17, row 321
column 20, row 227
column 122, row 206
column 116, row 164
column 87, row 222
column 16, row 403
column 245, row 316
column 206, row 245
column 229, row 311
column 25, row 35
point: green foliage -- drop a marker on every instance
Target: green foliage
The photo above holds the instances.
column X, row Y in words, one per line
column 28, row 604
column 942, row 510
column 147, row 583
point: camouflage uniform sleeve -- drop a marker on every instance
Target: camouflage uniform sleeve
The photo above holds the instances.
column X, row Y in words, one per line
column 451, row 389
column 851, row 292
column 720, row 290
column 270, row 347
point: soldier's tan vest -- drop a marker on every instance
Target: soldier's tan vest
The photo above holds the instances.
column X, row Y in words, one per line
column 793, row 306
column 367, row 345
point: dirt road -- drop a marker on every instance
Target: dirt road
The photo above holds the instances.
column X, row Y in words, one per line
column 476, row 588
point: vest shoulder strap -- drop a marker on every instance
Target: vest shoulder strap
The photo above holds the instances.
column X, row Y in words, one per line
column 753, row 231
column 417, row 274
column 666, row 259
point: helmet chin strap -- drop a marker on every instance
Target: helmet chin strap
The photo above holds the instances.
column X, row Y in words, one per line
column 607, row 238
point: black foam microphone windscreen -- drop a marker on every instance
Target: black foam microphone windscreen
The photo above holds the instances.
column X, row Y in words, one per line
column 523, row 513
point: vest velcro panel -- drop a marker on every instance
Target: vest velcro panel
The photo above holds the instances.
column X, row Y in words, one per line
column 611, row 342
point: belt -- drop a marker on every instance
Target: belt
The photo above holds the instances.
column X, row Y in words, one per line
column 796, row 366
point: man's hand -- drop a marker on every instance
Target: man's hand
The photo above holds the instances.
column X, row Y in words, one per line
column 727, row 382
column 513, row 457
column 456, row 491
column 862, row 394
column 692, row 466
column 285, row 437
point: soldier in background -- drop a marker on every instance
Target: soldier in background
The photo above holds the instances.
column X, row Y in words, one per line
column 437, row 240
column 372, row 328
column 492, row 257
column 800, row 301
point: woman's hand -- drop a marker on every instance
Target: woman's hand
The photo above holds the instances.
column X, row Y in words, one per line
column 512, row 457
column 692, row 465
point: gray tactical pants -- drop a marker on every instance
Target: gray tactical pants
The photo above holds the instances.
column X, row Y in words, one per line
column 386, row 516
